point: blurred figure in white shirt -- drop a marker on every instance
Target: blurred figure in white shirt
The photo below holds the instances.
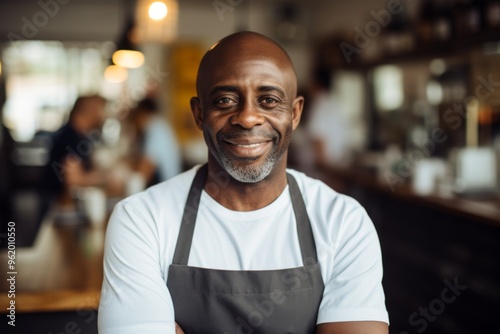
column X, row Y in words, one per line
column 327, row 126
column 157, row 155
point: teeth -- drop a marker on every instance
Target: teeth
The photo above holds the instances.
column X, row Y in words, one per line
column 249, row 145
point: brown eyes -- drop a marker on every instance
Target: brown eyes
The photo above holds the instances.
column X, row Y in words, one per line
column 227, row 102
column 269, row 101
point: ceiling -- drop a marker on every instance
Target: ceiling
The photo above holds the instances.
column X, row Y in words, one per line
column 82, row 20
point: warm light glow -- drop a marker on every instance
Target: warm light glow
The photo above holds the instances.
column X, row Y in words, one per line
column 115, row 74
column 157, row 11
column 128, row 58
column 0, row 68
column 156, row 20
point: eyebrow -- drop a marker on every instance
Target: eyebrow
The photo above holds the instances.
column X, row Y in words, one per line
column 218, row 89
column 272, row 89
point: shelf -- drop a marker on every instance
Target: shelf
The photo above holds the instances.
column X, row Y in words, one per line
column 459, row 45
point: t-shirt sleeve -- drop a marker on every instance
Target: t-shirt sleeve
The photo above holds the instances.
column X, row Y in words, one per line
column 354, row 290
column 134, row 296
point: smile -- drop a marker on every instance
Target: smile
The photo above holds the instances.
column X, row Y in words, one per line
column 250, row 145
column 248, row 149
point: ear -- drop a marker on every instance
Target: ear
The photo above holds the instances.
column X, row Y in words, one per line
column 197, row 112
column 298, row 105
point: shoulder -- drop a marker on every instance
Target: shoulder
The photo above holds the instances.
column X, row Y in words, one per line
column 333, row 215
column 318, row 194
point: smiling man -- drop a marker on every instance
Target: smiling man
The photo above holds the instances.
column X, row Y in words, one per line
column 242, row 244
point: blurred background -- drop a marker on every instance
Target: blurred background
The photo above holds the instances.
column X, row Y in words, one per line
column 402, row 113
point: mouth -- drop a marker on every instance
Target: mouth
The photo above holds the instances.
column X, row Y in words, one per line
column 251, row 148
column 249, row 145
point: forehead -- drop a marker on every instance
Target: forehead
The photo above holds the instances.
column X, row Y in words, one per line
column 243, row 61
column 247, row 72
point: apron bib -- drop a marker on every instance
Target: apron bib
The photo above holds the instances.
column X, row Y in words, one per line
column 210, row 301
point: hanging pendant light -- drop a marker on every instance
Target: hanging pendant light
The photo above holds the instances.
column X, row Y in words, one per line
column 157, row 20
column 127, row 55
column 115, row 74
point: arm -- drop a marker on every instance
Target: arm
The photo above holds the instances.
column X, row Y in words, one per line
column 134, row 297
column 353, row 327
column 178, row 329
column 353, row 300
column 74, row 174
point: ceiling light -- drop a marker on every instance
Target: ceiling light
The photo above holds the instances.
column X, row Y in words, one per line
column 157, row 11
column 128, row 58
column 115, row 74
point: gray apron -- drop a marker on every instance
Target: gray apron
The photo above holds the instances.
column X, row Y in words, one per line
column 209, row 301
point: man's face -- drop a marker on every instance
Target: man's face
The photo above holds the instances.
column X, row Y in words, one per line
column 247, row 110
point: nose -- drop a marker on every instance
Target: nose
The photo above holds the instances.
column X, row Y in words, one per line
column 247, row 116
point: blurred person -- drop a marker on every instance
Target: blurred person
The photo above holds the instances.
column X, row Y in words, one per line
column 242, row 244
column 6, row 167
column 327, row 128
column 157, row 154
column 70, row 158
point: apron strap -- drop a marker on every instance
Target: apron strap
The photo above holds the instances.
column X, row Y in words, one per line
column 183, row 246
column 185, row 238
column 304, row 230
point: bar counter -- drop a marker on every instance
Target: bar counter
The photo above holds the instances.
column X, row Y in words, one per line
column 481, row 210
column 430, row 243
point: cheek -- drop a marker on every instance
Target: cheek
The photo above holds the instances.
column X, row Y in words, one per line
column 282, row 124
column 210, row 129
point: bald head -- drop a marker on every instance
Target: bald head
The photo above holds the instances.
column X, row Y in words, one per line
column 240, row 47
column 247, row 107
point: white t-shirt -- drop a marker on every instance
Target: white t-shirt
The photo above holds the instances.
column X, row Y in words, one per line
column 142, row 234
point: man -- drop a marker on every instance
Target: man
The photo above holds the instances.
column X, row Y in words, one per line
column 243, row 245
column 70, row 162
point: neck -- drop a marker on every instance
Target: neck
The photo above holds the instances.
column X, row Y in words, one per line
column 239, row 196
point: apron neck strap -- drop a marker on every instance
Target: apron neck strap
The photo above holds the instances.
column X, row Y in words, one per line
column 304, row 230
column 185, row 238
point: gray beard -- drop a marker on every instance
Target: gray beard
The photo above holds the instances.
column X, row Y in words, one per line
column 250, row 174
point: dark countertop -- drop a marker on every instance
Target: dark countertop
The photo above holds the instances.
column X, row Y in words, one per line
column 482, row 210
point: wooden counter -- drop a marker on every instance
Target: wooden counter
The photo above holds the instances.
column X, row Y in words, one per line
column 61, row 272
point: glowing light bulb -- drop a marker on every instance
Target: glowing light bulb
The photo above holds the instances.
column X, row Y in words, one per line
column 128, row 58
column 157, row 10
column 115, row 74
